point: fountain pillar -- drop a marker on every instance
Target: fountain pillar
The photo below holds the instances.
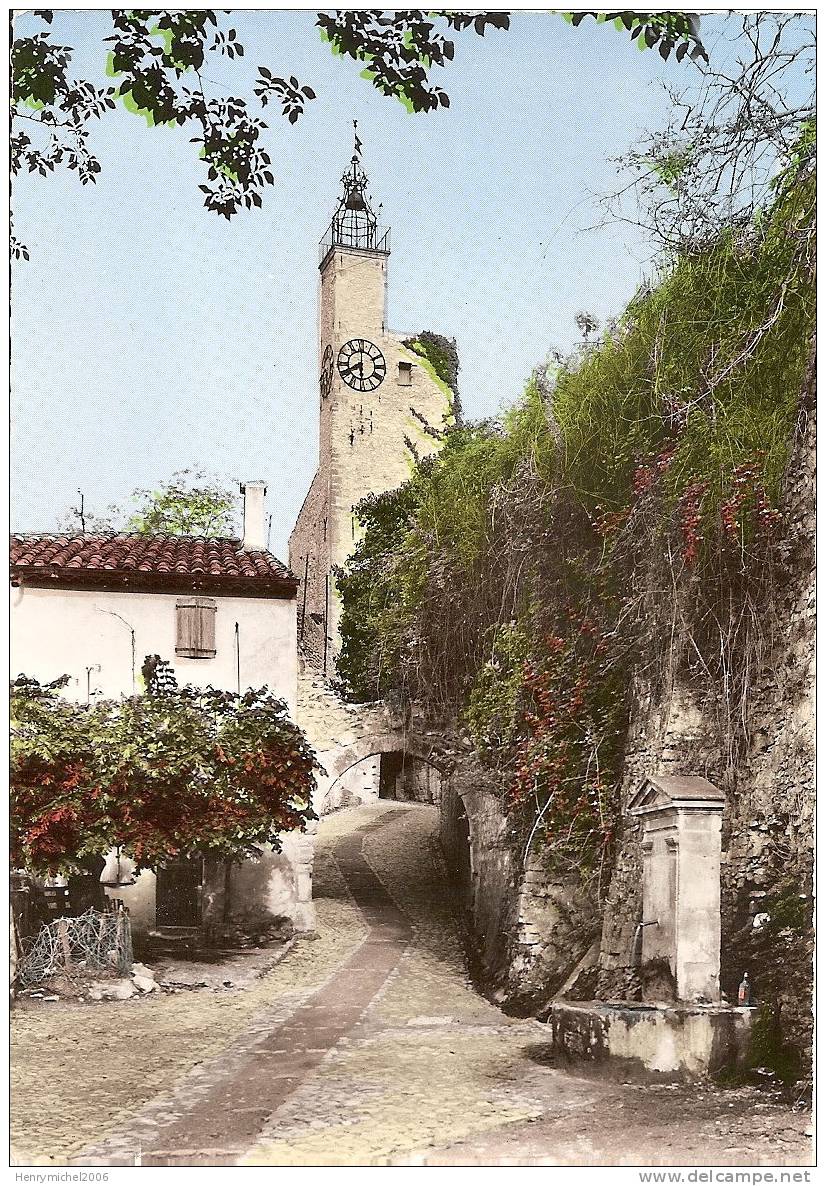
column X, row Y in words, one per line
column 681, row 822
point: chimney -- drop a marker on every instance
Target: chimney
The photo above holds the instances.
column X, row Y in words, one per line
column 255, row 528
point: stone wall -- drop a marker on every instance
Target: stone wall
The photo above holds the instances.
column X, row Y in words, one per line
column 308, row 551
column 418, row 781
column 473, row 833
column 768, row 821
column 349, row 740
column 527, row 929
column 680, row 1041
column 769, row 825
column 534, row 938
column 668, row 736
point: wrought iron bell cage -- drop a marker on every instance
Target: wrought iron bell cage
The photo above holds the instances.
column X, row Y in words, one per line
column 354, row 223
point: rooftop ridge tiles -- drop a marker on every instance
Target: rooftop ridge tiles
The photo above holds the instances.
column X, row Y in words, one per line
column 153, row 536
column 197, row 556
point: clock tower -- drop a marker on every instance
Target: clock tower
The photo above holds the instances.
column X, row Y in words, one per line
column 377, row 398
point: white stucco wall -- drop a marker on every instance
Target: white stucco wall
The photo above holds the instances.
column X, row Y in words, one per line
column 139, row 899
column 278, row 884
column 58, row 632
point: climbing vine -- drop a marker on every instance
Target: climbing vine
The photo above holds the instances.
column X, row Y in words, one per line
column 441, row 359
column 550, row 713
column 622, row 521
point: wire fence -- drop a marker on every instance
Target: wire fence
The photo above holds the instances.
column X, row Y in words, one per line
column 68, row 946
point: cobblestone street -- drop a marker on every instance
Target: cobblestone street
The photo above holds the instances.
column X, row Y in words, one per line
column 367, row 1046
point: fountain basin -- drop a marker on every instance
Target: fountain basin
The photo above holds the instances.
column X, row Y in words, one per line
column 676, row 1039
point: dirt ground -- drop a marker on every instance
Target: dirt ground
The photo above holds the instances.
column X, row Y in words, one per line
column 423, row 1071
column 650, row 1124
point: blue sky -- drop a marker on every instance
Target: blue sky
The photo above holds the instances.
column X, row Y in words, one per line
column 150, row 335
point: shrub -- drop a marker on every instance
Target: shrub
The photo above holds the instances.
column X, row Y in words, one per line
column 184, row 771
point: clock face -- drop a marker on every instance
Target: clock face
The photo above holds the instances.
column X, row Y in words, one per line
column 325, row 381
column 361, row 365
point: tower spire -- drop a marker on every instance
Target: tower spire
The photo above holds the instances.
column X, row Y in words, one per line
column 355, row 222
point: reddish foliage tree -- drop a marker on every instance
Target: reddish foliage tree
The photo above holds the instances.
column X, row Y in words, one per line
column 161, row 776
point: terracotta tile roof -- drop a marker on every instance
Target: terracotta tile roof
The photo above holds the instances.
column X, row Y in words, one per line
column 128, row 560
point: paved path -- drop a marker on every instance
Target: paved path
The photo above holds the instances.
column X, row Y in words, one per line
column 223, row 1121
column 373, row 1048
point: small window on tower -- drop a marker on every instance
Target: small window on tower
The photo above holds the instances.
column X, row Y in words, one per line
column 406, row 374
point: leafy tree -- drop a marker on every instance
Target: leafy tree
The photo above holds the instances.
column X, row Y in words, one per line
column 190, row 503
column 386, row 519
column 180, row 772
column 158, row 59
column 54, row 805
column 667, row 32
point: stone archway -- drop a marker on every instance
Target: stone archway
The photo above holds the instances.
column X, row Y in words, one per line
column 341, row 784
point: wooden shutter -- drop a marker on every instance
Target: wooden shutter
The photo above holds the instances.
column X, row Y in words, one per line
column 195, row 635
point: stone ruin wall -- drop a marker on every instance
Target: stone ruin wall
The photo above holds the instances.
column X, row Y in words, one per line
column 533, row 939
column 308, row 560
column 333, row 727
column 768, row 821
column 474, row 841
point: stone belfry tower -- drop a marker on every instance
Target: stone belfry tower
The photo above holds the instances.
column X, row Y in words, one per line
column 375, row 395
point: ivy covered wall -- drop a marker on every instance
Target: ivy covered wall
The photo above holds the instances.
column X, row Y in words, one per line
column 617, row 538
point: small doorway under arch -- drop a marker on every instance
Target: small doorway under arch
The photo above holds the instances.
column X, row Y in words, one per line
column 408, row 779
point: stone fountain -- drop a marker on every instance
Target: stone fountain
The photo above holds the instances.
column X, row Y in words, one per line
column 680, row 1026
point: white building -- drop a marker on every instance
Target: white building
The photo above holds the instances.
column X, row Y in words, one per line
column 222, row 612
column 94, row 606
